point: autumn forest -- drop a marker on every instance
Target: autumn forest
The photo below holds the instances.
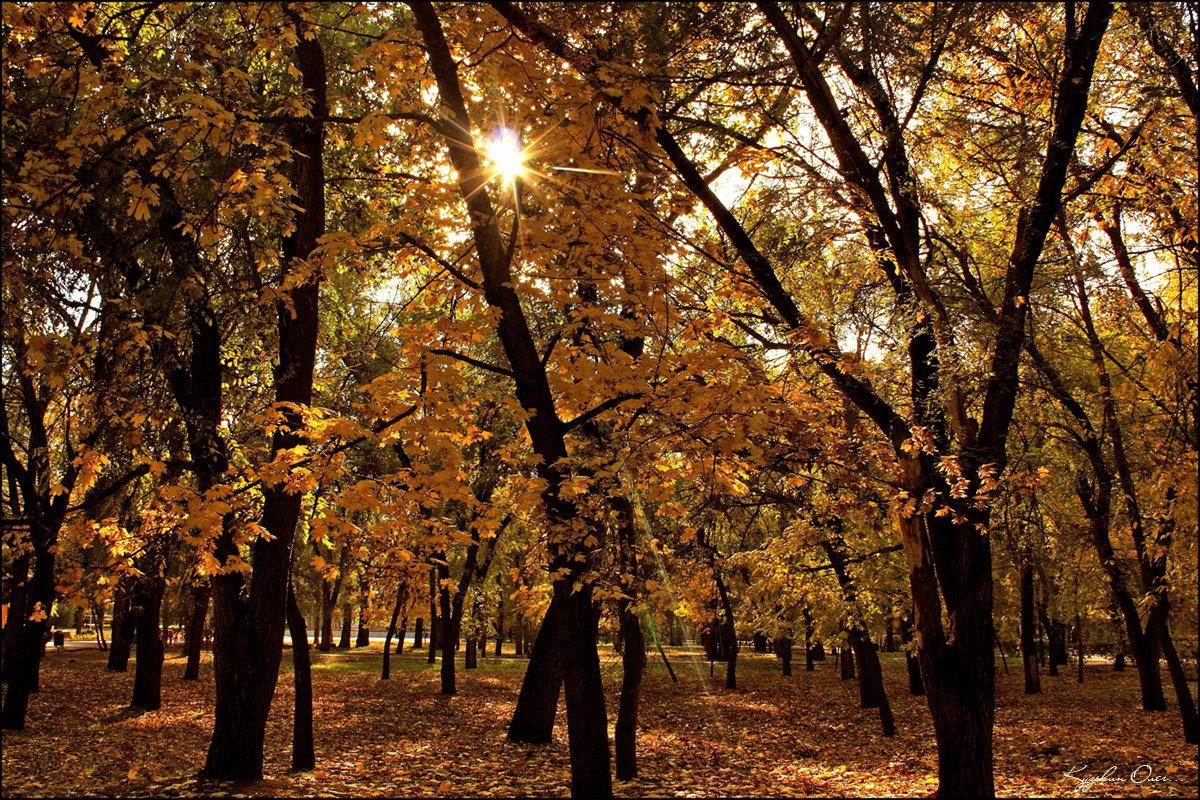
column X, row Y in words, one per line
column 594, row 399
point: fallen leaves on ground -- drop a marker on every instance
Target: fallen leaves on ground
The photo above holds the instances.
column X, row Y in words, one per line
column 800, row 736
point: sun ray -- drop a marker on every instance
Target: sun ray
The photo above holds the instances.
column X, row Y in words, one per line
column 507, row 156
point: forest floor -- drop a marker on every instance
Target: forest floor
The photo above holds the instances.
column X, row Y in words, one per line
column 803, row 736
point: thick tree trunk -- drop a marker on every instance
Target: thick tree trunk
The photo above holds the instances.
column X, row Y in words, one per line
column 124, row 622
column 871, row 691
column 783, row 646
column 248, row 641
column 959, row 680
column 471, row 657
column 1183, row 692
column 846, row 656
column 16, row 611
column 363, row 637
column 27, row 650
column 419, row 633
column 193, row 638
column 587, row 721
column 537, row 704
column 303, row 751
column 147, row 673
column 633, row 667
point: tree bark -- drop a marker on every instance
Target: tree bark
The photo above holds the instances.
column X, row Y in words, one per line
column 23, row 679
column 303, row 751
column 124, row 623
column 500, row 627
column 783, row 646
column 1033, row 683
column 387, row 640
column 17, row 606
column 846, row 654
column 916, row 686
column 193, row 638
column 575, row 621
column 347, row 625
column 808, row 641
column 728, row 633
column 870, row 684
column 537, row 703
column 147, row 674
column 248, row 641
column 633, row 667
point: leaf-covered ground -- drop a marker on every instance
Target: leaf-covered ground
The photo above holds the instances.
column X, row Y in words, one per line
column 798, row 736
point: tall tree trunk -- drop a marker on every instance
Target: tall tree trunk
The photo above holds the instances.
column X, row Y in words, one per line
column 1033, row 683
column 304, row 755
column 147, row 675
column 328, row 603
column 193, row 638
column 347, row 624
column 500, row 626
column 846, row 654
column 363, row 637
column 419, row 633
column 587, row 721
column 17, row 606
column 249, row 628
column 916, row 686
column 387, row 640
column 728, row 633
column 633, row 657
column 633, row 667
column 1183, row 692
column 870, row 685
column 23, row 679
column 124, row 622
column 449, row 629
column 537, row 704
column 783, row 647
column 434, row 624
column 98, row 620
column 575, row 622
column 808, row 641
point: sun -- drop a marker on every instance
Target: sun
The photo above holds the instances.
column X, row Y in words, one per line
column 506, row 155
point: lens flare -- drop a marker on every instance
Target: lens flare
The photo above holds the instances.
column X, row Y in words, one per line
column 506, row 155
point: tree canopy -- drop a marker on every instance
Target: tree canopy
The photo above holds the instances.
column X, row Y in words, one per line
column 797, row 321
